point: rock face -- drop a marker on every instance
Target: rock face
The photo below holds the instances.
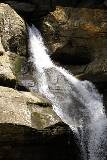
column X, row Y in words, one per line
column 21, row 142
column 12, row 30
column 77, row 40
column 79, row 35
column 18, row 107
column 29, row 128
column 24, row 108
column 33, row 10
column 12, row 45
column 45, row 6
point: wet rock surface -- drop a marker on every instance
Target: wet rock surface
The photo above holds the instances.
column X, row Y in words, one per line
column 29, row 128
column 79, row 35
column 77, row 41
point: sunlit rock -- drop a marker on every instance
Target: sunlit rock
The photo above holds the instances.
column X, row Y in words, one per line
column 12, row 30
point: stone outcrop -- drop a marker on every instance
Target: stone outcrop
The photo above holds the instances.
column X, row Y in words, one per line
column 22, row 142
column 25, row 108
column 32, row 10
column 18, row 107
column 12, row 30
column 29, row 128
column 45, row 6
column 12, row 45
column 80, row 36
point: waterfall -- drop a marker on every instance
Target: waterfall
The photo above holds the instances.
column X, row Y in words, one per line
column 76, row 102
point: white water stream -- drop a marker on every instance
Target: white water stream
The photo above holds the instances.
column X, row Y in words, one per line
column 76, row 102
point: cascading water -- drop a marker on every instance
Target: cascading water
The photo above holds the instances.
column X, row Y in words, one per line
column 76, row 102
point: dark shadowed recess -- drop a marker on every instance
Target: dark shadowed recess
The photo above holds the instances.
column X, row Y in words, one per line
column 24, row 143
column 31, row 10
column 69, row 55
column 51, row 4
column 11, row 84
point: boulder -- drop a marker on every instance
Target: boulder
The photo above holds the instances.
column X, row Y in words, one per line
column 22, row 142
column 12, row 30
column 30, row 129
column 25, row 108
column 12, row 45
